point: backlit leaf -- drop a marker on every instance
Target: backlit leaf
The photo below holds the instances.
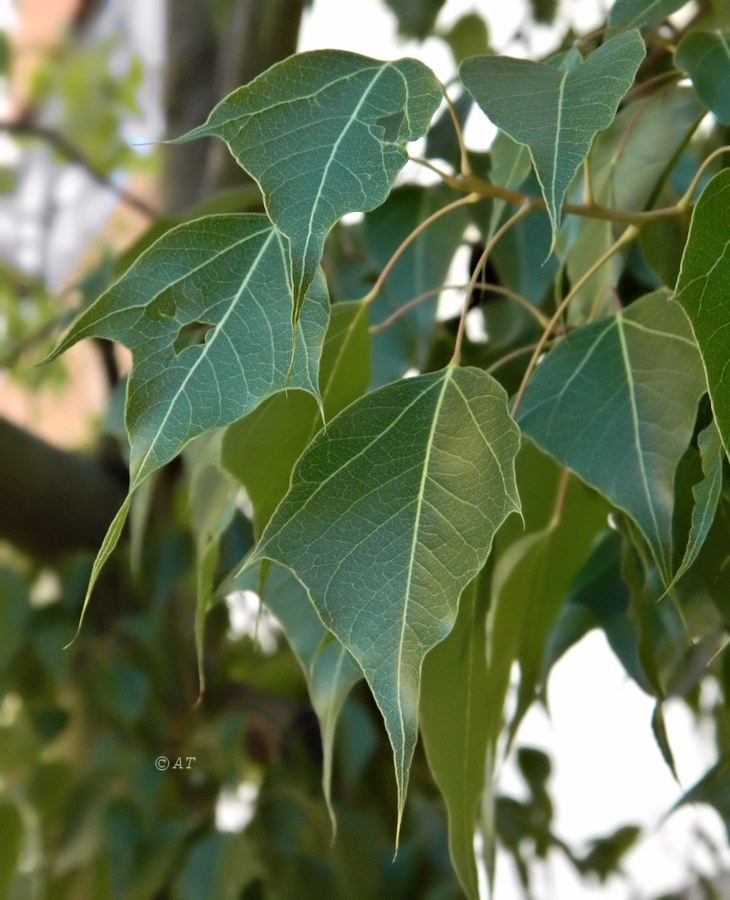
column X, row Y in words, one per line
column 206, row 313
column 262, row 448
column 703, row 290
column 616, row 402
column 637, row 13
column 555, row 110
column 454, row 725
column 323, row 134
column 705, row 57
column 391, row 512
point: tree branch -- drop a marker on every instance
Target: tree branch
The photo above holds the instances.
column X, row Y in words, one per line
column 24, row 128
column 53, row 501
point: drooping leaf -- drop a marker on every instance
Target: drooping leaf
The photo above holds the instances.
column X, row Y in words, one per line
column 714, row 789
column 616, row 402
column 454, row 725
column 261, row 449
column 706, row 495
column 329, row 670
column 703, row 290
column 556, row 111
column 599, row 598
column 206, row 313
column 531, row 584
column 323, row 134
column 391, row 513
column 416, row 18
column 638, row 13
column 705, row 57
column 422, row 267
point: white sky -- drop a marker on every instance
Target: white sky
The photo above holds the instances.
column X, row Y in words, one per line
column 607, row 768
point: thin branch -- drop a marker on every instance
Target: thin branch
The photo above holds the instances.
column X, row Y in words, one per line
column 523, row 211
column 407, row 307
column 434, row 217
column 74, row 155
column 628, row 235
column 514, row 354
column 463, row 153
column 686, row 200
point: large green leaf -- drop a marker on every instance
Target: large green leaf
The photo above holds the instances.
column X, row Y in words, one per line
column 391, row 513
column 206, row 312
column 714, row 789
column 616, row 402
column 262, row 448
column 638, row 13
column 703, row 289
column 323, row 134
column 555, row 110
column 454, row 725
column 705, row 57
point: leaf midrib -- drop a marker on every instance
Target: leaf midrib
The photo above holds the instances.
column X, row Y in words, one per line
column 139, row 474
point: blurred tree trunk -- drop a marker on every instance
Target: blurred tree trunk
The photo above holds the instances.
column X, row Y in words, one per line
column 53, row 501
column 206, row 61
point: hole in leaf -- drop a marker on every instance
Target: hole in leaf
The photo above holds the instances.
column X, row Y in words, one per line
column 190, row 335
column 391, row 125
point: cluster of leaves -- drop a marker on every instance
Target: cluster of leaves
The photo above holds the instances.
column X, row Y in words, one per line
column 427, row 533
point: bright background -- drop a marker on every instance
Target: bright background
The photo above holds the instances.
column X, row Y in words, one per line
column 607, row 768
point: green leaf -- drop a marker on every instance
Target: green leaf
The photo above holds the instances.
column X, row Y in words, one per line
column 638, row 13
column 468, row 36
column 713, row 789
column 206, row 314
column 631, row 157
column 705, row 57
column 616, row 402
column 555, row 111
column 323, row 134
column 706, row 495
column 454, row 723
column 703, row 290
column 391, row 513
column 531, row 583
column 329, row 670
column 416, row 18
column 261, row 449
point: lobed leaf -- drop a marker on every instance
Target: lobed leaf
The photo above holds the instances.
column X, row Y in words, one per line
column 703, row 290
column 323, row 134
column 556, row 111
column 206, row 312
column 391, row 512
column 616, row 402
